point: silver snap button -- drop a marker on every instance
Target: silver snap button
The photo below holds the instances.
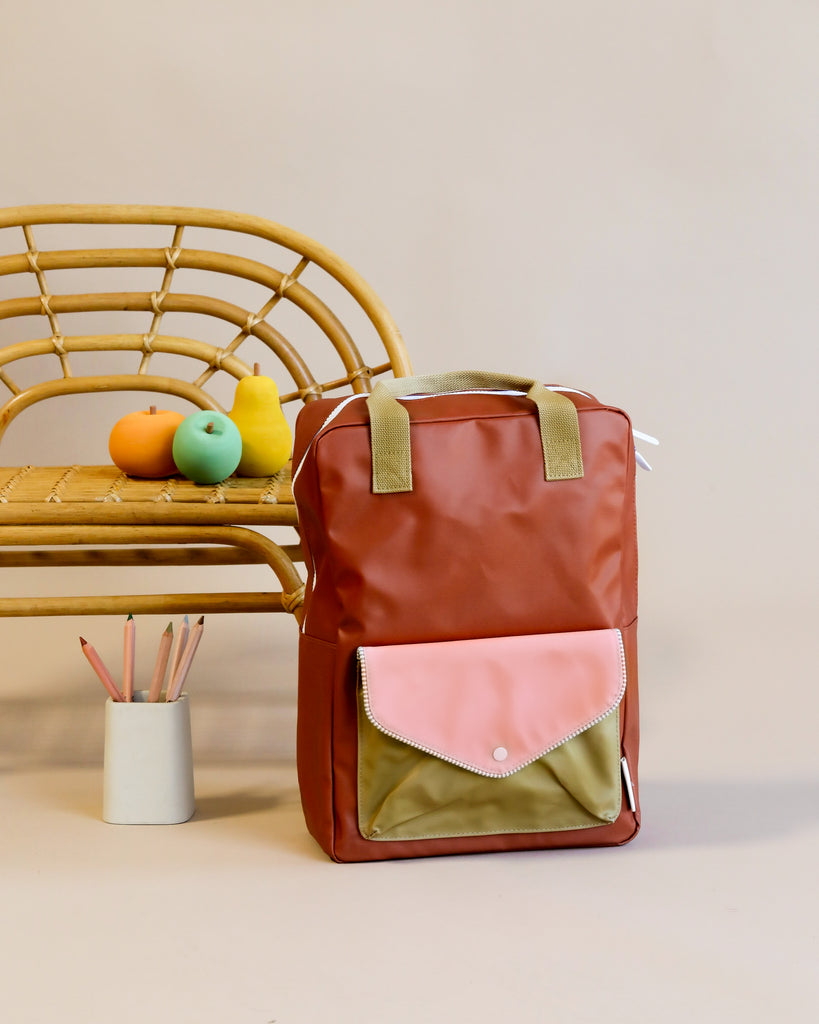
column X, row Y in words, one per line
column 500, row 753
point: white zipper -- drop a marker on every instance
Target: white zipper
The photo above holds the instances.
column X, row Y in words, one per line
column 489, row 391
column 642, row 462
column 362, row 667
column 637, row 434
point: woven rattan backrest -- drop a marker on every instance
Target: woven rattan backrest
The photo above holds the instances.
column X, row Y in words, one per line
column 210, row 258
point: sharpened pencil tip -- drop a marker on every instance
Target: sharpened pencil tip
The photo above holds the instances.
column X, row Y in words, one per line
column 201, row 621
column 130, row 616
column 169, row 628
column 83, row 642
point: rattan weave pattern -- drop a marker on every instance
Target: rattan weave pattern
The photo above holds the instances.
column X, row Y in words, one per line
column 58, row 484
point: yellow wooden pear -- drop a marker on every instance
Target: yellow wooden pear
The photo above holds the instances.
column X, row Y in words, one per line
column 267, row 441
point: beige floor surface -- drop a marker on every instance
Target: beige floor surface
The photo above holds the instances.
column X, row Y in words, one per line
column 237, row 917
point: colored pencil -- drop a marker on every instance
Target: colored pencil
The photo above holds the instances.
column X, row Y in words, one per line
column 129, row 658
column 178, row 681
column 104, row 675
column 161, row 663
column 179, row 647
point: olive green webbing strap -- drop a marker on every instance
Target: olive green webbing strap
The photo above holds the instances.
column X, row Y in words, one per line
column 390, row 424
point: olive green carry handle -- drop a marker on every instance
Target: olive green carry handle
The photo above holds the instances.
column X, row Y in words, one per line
column 390, row 430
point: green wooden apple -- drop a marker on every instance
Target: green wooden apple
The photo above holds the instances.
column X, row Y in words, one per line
column 207, row 447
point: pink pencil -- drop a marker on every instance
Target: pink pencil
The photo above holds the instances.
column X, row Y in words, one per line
column 178, row 681
column 129, row 658
column 161, row 663
column 179, row 647
column 104, row 675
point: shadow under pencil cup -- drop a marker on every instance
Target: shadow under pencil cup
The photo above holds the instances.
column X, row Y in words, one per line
column 148, row 761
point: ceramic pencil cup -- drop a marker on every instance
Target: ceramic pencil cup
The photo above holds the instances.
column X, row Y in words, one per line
column 148, row 761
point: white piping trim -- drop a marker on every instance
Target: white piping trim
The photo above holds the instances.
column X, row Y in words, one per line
column 330, row 418
column 294, row 477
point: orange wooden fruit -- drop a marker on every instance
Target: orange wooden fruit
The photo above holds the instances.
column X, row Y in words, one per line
column 141, row 443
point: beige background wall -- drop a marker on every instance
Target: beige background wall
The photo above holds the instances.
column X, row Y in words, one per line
column 618, row 197
column 621, row 197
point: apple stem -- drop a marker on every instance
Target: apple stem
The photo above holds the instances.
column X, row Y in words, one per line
column 209, row 428
column 152, row 410
column 257, row 369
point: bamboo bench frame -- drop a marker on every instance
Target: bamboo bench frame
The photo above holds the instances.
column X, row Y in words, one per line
column 94, row 515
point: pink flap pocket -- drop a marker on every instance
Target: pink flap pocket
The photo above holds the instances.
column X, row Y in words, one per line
column 493, row 705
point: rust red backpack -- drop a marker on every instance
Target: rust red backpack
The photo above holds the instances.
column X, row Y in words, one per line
column 467, row 660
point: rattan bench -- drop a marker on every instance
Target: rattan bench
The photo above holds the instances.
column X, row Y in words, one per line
column 213, row 292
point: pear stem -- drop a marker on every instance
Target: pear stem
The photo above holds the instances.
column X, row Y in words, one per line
column 257, row 369
column 152, row 410
column 209, row 428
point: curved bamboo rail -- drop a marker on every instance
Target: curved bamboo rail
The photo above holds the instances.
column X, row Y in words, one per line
column 146, row 302
column 173, row 521
column 192, row 259
column 259, row 547
column 97, row 385
column 317, row 253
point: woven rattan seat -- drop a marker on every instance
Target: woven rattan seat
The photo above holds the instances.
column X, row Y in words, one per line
column 77, row 490
column 86, row 515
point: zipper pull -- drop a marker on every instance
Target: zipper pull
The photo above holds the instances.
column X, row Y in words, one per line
column 639, row 435
column 627, row 783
